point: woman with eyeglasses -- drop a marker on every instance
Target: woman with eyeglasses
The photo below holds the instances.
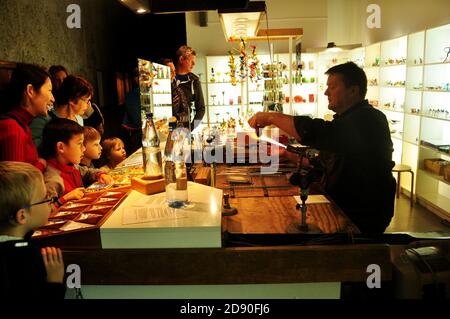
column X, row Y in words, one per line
column 72, row 100
column 29, row 96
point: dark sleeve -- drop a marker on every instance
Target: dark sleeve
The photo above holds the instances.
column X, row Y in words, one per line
column 54, row 290
column 24, row 269
column 312, row 132
column 338, row 136
column 199, row 103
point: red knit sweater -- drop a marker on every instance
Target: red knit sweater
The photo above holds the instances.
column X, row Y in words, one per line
column 16, row 142
column 61, row 179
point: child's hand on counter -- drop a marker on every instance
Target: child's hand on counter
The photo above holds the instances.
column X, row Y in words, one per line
column 105, row 179
column 77, row 193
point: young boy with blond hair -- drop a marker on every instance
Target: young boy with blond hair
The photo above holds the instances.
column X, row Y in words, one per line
column 93, row 148
column 25, row 270
column 62, row 146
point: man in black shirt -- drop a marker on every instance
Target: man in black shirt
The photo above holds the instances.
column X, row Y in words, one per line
column 355, row 148
column 189, row 83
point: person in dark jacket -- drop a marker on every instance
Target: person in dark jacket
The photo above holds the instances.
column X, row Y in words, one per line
column 355, row 148
column 190, row 85
column 26, row 271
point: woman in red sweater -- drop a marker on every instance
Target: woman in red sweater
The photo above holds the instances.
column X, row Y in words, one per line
column 30, row 95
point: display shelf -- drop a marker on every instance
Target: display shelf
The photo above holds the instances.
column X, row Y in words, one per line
column 372, row 55
column 440, row 178
column 415, row 52
column 437, row 63
column 437, row 91
column 435, row 118
column 393, row 52
column 440, row 203
column 224, row 82
column 389, row 110
column 393, row 86
column 437, row 39
column 226, row 105
column 429, row 148
column 392, row 65
column 418, row 115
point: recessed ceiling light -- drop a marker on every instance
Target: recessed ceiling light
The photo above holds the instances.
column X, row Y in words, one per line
column 141, row 11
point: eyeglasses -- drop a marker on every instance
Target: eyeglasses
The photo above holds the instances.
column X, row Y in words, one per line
column 51, row 200
column 86, row 101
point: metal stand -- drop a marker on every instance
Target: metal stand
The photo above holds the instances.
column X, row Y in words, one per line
column 227, row 209
column 303, row 178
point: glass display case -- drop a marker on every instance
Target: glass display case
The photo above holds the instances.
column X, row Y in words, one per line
column 155, row 89
column 224, row 99
column 279, row 85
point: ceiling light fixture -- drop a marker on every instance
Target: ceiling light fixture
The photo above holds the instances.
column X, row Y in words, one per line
column 250, row 16
column 141, row 10
column 331, row 47
column 138, row 6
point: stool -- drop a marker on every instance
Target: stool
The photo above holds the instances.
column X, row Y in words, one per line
column 401, row 168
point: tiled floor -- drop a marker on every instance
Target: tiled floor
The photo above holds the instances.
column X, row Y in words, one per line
column 414, row 219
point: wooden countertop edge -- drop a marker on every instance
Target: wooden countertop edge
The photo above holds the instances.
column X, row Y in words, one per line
column 205, row 266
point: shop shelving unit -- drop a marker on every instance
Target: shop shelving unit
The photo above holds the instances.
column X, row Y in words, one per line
column 408, row 80
column 295, row 91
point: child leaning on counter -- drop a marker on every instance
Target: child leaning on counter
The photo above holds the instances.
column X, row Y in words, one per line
column 93, row 149
column 62, row 146
column 113, row 153
column 26, row 271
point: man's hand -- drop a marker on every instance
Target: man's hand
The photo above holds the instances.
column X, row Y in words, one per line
column 105, row 179
column 54, row 264
column 260, row 120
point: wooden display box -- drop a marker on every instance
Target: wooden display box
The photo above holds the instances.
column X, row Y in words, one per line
column 76, row 224
column 435, row 165
column 447, row 173
column 148, row 186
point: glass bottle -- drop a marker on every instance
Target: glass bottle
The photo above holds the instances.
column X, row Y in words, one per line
column 175, row 173
column 213, row 79
column 150, row 150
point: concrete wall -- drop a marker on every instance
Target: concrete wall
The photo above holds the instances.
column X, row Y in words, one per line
column 35, row 31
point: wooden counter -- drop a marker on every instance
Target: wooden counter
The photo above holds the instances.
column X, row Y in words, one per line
column 183, row 272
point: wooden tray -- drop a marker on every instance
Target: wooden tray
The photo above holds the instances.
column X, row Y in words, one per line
column 76, row 223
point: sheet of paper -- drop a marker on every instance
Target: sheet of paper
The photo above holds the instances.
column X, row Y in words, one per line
column 313, row 199
column 151, row 201
column 142, row 214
